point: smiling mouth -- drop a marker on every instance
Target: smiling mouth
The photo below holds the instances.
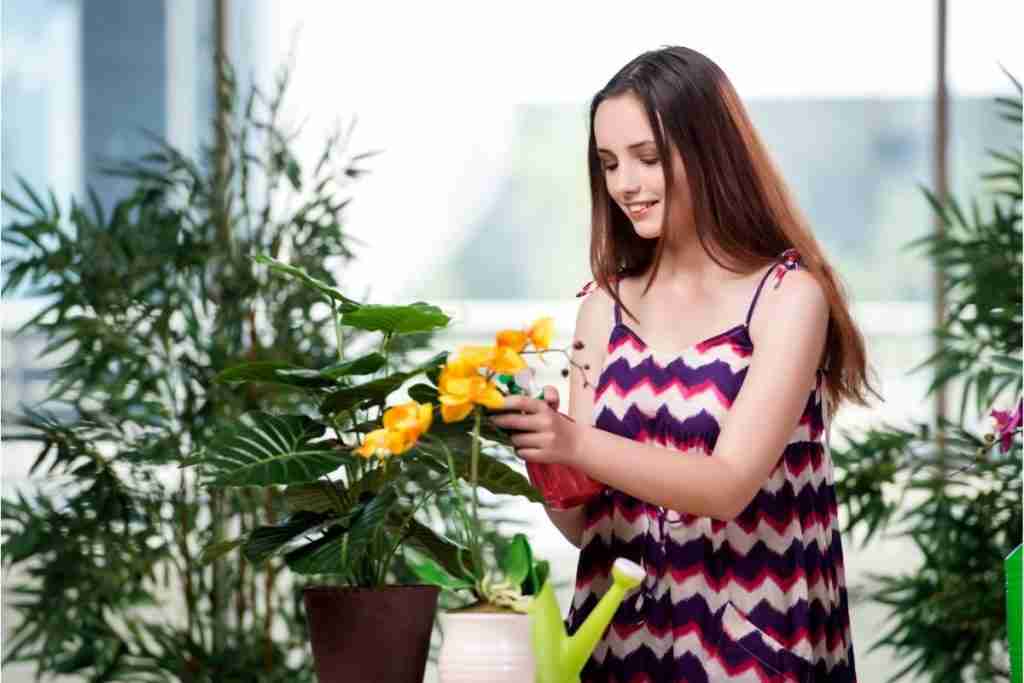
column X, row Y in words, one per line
column 641, row 211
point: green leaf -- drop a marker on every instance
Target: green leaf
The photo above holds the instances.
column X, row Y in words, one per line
column 274, row 372
column 269, row 449
column 369, row 518
column 301, row 275
column 364, row 365
column 430, row 572
column 266, row 541
column 423, row 393
column 316, row 496
column 375, row 391
column 322, row 556
column 417, row 317
column 517, row 560
column 492, row 474
column 542, row 569
column 425, row 540
column 218, row 550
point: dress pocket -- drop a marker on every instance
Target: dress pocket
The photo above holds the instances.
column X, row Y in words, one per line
column 742, row 644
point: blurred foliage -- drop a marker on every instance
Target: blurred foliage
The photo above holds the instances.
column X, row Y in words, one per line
column 145, row 305
column 952, row 492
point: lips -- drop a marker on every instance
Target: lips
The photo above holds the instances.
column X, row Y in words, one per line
column 640, row 210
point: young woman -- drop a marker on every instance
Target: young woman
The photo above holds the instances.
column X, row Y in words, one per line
column 710, row 352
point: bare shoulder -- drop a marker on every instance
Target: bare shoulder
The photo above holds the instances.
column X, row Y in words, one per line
column 594, row 321
column 795, row 304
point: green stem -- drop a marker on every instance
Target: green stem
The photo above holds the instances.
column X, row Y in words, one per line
column 337, row 329
column 384, row 351
column 389, row 557
column 474, row 468
column 470, row 529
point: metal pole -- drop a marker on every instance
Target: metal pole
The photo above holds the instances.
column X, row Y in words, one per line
column 940, row 182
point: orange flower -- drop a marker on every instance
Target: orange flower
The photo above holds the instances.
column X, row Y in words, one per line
column 403, row 425
column 384, row 442
column 541, row 332
column 507, row 361
column 411, row 417
column 459, row 393
column 470, row 359
column 513, row 339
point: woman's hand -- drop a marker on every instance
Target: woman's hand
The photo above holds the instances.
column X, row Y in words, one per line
column 546, row 435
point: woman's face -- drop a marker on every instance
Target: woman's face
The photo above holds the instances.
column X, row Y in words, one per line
column 632, row 168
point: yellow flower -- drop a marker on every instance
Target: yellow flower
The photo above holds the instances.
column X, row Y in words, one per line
column 411, row 417
column 507, row 361
column 513, row 339
column 384, row 442
column 460, row 393
column 470, row 359
column 403, row 425
column 540, row 333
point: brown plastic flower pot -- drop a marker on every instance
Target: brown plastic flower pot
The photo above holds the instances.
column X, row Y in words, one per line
column 370, row 634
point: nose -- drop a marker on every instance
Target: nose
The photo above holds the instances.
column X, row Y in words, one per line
column 624, row 185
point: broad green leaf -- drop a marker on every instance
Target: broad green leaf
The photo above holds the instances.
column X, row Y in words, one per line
column 269, row 449
column 368, row 519
column 217, row 550
column 266, row 541
column 492, row 474
column 322, row 556
column 423, row 393
column 316, row 496
column 422, row 538
column 347, row 304
column 430, row 572
column 411, row 318
column 273, row 372
column 517, row 560
column 375, row 391
column 364, row 365
column 542, row 569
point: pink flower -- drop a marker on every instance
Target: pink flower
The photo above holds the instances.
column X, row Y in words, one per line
column 1006, row 425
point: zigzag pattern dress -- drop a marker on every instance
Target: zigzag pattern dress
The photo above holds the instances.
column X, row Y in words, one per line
column 761, row 597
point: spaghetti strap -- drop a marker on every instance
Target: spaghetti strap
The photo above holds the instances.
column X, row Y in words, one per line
column 786, row 262
column 618, row 314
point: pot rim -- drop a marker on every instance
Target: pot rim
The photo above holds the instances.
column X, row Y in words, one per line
column 484, row 615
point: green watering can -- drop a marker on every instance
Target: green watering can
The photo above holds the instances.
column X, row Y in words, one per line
column 1013, row 612
column 559, row 658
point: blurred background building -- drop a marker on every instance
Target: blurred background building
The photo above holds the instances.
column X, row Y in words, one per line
column 481, row 119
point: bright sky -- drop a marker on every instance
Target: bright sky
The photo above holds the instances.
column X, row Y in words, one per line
column 434, row 84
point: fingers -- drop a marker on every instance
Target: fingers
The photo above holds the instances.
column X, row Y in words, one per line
column 551, row 397
column 522, row 404
column 517, row 421
column 530, row 440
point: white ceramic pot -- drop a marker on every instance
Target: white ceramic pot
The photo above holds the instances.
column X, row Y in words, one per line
column 485, row 647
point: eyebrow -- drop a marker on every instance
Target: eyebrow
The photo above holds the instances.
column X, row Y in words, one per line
column 601, row 150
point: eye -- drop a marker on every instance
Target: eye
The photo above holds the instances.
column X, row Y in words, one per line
column 610, row 167
column 651, row 162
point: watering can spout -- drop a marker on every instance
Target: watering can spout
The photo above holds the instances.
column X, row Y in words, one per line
column 559, row 657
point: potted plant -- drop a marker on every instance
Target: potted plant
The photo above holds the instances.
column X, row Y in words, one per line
column 351, row 503
column 488, row 639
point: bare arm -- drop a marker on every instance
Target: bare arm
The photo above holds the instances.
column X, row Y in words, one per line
column 763, row 416
column 788, row 342
column 593, row 325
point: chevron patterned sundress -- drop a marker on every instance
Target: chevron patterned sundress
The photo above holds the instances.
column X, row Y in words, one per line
column 758, row 598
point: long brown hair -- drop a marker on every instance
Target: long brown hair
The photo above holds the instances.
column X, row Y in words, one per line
column 741, row 206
